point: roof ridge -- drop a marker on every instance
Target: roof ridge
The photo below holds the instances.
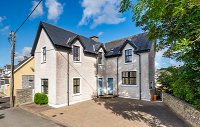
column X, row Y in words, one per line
column 67, row 30
column 126, row 37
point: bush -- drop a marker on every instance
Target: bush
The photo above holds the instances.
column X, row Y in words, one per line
column 40, row 98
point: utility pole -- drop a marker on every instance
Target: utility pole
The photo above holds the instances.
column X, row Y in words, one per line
column 12, row 38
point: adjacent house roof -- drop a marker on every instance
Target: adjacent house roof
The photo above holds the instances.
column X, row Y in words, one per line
column 20, row 64
column 63, row 38
column 139, row 41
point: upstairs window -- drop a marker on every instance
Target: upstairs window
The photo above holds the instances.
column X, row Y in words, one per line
column 129, row 78
column 128, row 56
column 100, row 58
column 76, row 53
column 44, row 58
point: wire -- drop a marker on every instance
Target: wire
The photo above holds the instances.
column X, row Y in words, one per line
column 28, row 16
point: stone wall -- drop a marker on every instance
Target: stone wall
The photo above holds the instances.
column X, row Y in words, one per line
column 23, row 96
column 187, row 112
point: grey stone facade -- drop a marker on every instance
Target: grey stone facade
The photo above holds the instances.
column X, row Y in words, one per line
column 187, row 112
column 23, row 96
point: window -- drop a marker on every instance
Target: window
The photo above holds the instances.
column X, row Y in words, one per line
column 76, row 85
column 129, row 77
column 76, row 53
column 45, row 86
column 100, row 58
column 128, row 56
column 44, row 54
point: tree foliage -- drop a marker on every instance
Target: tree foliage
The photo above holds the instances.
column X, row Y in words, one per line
column 174, row 25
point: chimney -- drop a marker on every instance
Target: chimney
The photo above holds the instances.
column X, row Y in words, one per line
column 95, row 38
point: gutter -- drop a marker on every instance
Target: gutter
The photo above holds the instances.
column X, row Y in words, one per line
column 68, row 78
column 140, row 87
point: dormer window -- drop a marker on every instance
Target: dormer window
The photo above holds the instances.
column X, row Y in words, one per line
column 128, row 56
column 100, row 58
column 44, row 54
column 76, row 53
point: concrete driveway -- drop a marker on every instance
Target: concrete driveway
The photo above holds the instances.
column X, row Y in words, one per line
column 116, row 112
column 15, row 117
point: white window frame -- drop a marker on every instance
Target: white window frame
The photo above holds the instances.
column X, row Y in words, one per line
column 42, row 89
column 77, row 61
column 125, row 56
column 42, row 56
column 101, row 59
column 77, row 94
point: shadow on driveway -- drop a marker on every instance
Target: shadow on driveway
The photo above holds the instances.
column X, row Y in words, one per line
column 155, row 114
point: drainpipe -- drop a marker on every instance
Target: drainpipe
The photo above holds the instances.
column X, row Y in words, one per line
column 68, row 78
column 140, row 87
column 97, row 71
column 117, row 76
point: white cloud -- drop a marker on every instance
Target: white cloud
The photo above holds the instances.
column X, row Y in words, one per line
column 163, row 62
column 55, row 9
column 5, row 30
column 99, row 34
column 38, row 11
column 25, row 52
column 98, row 12
column 2, row 18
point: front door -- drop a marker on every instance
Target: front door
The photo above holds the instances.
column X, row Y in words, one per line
column 100, row 86
column 110, row 86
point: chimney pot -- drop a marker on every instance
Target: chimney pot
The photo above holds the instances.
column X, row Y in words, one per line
column 95, row 38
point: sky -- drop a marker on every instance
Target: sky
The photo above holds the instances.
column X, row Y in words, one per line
column 84, row 17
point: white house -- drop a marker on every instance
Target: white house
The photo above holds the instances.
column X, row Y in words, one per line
column 71, row 68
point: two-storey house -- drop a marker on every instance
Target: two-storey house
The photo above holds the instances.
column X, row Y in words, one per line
column 71, row 68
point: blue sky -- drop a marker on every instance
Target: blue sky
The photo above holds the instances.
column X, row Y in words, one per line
column 85, row 17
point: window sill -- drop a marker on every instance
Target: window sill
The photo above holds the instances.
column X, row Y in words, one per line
column 43, row 62
column 128, row 63
column 77, row 61
column 77, row 94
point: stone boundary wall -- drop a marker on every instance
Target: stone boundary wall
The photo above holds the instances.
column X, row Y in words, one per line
column 23, row 96
column 184, row 110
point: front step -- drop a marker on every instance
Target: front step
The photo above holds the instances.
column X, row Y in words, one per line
column 107, row 96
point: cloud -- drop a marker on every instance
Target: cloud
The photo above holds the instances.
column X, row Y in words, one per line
column 98, row 12
column 5, row 30
column 38, row 11
column 2, row 18
column 25, row 52
column 55, row 9
column 99, row 34
column 163, row 62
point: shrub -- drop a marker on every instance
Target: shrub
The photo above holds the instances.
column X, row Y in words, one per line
column 40, row 98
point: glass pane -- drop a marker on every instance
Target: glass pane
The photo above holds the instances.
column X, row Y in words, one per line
column 126, row 81
column 132, row 81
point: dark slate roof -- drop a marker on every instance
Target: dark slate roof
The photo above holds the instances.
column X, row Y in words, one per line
column 139, row 41
column 21, row 62
column 63, row 38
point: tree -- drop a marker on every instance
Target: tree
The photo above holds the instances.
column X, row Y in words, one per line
column 174, row 25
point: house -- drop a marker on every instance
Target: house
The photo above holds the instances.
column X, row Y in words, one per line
column 71, row 68
column 23, row 76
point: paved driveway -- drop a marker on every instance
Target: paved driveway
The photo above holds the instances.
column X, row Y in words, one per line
column 116, row 112
column 16, row 117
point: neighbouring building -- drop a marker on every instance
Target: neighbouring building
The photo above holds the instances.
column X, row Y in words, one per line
column 71, row 68
column 23, row 76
